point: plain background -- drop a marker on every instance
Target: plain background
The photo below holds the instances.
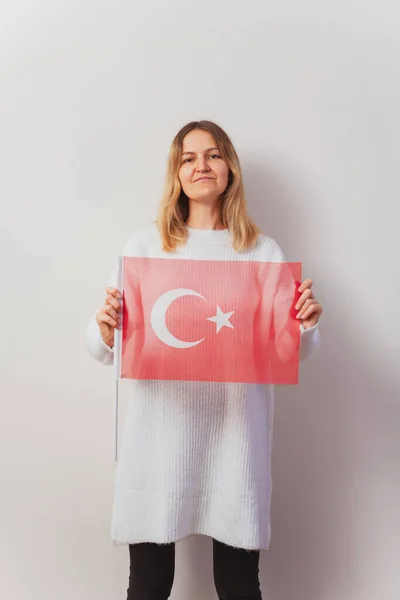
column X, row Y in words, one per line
column 92, row 93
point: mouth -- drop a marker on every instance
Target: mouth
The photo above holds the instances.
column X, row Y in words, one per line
column 205, row 179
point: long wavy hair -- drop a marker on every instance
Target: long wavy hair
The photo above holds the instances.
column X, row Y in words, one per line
column 174, row 205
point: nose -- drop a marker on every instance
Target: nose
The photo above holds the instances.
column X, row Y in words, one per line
column 202, row 165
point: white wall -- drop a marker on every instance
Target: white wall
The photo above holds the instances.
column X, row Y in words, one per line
column 92, row 93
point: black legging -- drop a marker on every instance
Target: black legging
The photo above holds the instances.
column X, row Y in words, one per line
column 152, row 570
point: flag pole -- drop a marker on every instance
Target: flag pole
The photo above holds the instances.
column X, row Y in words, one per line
column 116, row 420
column 117, row 354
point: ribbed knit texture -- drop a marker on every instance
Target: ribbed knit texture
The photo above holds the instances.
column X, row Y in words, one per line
column 195, row 457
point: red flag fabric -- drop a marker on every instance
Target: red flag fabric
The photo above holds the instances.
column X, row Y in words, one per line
column 203, row 320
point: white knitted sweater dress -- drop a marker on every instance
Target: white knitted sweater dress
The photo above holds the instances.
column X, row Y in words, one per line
column 195, row 456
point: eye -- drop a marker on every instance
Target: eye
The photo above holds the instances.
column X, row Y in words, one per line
column 210, row 156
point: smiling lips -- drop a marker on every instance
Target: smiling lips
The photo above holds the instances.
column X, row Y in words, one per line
column 204, row 179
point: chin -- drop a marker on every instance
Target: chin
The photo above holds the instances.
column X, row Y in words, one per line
column 207, row 191
column 204, row 198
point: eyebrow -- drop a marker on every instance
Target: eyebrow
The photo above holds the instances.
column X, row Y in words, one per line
column 208, row 150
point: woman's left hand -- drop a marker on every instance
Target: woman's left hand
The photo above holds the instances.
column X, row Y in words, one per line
column 309, row 308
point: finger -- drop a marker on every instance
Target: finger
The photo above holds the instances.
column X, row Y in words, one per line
column 307, row 283
column 112, row 301
column 107, row 311
column 313, row 309
column 113, row 313
column 307, row 304
column 114, row 292
column 305, row 296
column 106, row 318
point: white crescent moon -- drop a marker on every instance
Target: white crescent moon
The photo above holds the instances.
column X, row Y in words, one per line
column 158, row 313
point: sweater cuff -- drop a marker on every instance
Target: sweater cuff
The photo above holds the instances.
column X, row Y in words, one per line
column 96, row 345
column 309, row 340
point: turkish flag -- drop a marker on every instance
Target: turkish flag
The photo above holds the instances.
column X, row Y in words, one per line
column 206, row 320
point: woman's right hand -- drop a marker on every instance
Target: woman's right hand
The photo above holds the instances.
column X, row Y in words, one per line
column 108, row 316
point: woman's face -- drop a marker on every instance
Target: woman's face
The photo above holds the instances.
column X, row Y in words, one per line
column 203, row 173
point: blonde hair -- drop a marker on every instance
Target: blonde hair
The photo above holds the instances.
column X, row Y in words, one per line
column 174, row 205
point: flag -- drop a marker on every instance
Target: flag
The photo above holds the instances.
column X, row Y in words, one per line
column 206, row 320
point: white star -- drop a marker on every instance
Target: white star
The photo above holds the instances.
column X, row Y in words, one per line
column 222, row 319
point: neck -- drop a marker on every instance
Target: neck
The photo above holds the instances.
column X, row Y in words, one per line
column 204, row 217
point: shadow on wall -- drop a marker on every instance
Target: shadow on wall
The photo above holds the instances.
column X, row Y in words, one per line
column 332, row 433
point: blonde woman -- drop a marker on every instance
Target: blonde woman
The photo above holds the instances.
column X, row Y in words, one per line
column 195, row 456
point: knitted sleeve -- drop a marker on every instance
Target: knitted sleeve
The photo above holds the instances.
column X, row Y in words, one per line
column 94, row 342
column 310, row 338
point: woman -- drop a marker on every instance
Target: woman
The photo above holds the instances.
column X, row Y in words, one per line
column 196, row 455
